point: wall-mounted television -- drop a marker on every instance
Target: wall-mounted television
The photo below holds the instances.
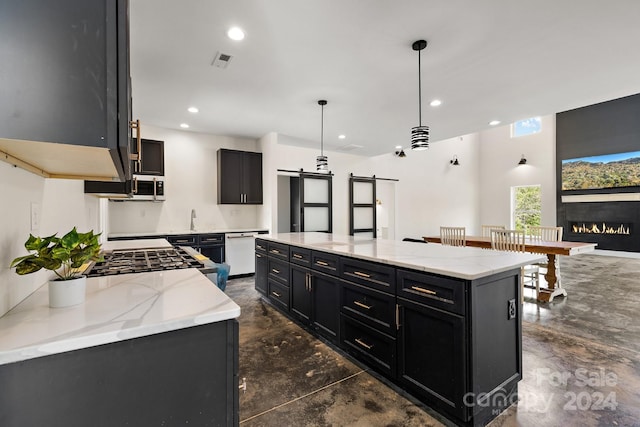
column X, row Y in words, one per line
column 617, row 170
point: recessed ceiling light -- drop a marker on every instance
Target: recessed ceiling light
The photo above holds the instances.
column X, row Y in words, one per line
column 184, row 125
column 235, row 33
column 193, row 109
column 398, row 147
column 435, row 103
column 494, row 122
column 342, row 136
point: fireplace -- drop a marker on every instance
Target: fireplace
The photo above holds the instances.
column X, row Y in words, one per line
column 590, row 227
column 612, row 225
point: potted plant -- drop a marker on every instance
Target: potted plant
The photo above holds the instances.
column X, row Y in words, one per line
column 64, row 256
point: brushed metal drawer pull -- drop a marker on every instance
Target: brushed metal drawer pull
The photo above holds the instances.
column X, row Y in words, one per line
column 275, row 270
column 182, row 241
column 260, row 247
column 275, row 294
column 297, row 256
column 322, row 263
column 275, row 251
column 357, row 273
column 423, row 290
column 258, row 256
column 365, row 345
column 359, row 304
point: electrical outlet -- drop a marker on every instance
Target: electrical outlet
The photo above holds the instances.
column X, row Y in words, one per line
column 35, row 216
column 511, row 309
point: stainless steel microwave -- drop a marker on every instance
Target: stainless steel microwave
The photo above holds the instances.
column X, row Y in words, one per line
column 147, row 187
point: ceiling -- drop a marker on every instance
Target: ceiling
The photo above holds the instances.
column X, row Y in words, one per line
column 486, row 60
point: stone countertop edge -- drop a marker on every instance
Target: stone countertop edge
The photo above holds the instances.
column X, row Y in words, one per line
column 117, row 308
column 181, row 232
column 466, row 263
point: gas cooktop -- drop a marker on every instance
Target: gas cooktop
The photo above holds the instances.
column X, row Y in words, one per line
column 144, row 260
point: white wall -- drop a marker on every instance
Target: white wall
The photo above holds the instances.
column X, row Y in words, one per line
column 63, row 205
column 191, row 183
column 499, row 171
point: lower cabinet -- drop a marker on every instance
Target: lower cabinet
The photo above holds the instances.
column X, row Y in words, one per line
column 454, row 344
column 431, row 355
column 261, row 273
column 315, row 300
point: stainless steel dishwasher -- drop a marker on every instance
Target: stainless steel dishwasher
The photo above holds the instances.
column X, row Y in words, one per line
column 240, row 249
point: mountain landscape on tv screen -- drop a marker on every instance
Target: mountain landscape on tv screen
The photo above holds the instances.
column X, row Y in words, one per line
column 585, row 175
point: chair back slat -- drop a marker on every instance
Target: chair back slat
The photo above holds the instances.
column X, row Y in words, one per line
column 453, row 236
column 544, row 233
column 508, row 240
column 486, row 229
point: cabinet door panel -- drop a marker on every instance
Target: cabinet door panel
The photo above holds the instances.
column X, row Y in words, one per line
column 300, row 294
column 326, row 304
column 252, row 177
column 431, row 355
column 214, row 253
column 261, row 273
column 229, row 177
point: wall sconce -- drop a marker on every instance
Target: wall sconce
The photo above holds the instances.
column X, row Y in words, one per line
column 522, row 161
column 454, row 161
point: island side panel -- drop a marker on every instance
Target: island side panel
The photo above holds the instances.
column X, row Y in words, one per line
column 173, row 378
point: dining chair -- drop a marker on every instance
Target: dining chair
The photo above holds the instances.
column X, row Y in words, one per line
column 542, row 233
column 513, row 241
column 453, row 236
column 486, row 229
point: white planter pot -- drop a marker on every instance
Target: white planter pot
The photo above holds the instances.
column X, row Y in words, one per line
column 65, row 293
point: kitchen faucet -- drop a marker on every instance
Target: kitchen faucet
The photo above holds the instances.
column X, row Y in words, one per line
column 193, row 216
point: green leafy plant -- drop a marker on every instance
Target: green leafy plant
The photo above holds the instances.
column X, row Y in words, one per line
column 62, row 255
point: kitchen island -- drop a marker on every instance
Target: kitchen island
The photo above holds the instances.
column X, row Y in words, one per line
column 156, row 348
column 442, row 322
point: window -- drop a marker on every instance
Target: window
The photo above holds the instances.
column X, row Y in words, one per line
column 526, row 127
column 526, row 206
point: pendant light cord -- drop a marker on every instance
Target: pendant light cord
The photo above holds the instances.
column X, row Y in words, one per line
column 322, row 131
column 419, row 92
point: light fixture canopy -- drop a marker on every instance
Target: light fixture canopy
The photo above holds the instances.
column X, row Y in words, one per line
column 322, row 162
column 420, row 133
column 400, row 153
column 522, row 161
column 454, row 161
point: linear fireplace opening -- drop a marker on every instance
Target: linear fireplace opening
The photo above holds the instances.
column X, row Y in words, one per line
column 600, row 227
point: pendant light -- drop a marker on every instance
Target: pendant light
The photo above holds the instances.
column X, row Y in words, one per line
column 419, row 134
column 322, row 163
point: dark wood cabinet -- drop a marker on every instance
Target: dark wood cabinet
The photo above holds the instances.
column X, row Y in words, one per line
column 151, row 158
column 261, row 273
column 65, row 77
column 455, row 344
column 239, row 177
column 211, row 246
column 431, row 355
column 315, row 300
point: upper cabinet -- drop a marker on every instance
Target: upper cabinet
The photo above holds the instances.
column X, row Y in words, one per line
column 239, row 177
column 151, row 159
column 65, row 87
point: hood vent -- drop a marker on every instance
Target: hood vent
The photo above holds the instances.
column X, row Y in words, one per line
column 221, row 60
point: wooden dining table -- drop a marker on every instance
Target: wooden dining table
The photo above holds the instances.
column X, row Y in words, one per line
column 551, row 249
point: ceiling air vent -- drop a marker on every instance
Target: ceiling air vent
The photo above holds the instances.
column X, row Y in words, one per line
column 221, row 60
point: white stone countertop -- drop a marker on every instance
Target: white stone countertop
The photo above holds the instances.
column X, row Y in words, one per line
column 123, row 245
column 176, row 232
column 117, row 308
column 459, row 262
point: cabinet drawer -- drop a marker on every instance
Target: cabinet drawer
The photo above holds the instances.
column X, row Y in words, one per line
column 210, row 239
column 376, row 309
column 279, row 270
column 373, row 347
column 261, row 245
column 183, row 239
column 324, row 262
column 278, row 250
column 436, row 291
column 376, row 276
column 300, row 256
column 279, row 294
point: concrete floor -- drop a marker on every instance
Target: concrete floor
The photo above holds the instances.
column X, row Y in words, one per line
column 581, row 358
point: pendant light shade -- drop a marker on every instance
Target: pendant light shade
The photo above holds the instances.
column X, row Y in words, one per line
column 419, row 134
column 322, row 162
